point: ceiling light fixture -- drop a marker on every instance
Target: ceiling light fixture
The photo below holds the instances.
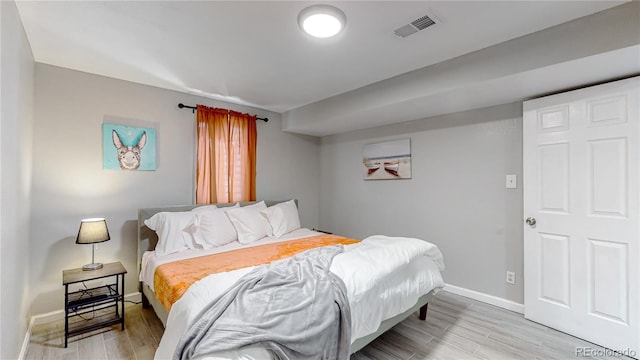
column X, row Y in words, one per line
column 322, row 21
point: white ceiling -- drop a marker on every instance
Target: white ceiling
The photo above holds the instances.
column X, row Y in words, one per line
column 253, row 53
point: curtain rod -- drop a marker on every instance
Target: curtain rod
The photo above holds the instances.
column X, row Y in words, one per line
column 193, row 109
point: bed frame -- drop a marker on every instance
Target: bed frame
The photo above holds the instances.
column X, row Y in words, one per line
column 147, row 240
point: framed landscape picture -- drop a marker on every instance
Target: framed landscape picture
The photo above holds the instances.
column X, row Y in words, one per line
column 390, row 160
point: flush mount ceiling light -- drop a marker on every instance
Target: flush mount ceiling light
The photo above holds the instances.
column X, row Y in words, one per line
column 322, row 21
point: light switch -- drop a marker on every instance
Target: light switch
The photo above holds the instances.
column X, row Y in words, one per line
column 512, row 181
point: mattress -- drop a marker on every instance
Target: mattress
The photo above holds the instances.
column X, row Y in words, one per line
column 371, row 300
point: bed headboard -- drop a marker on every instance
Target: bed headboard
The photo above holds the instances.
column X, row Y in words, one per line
column 147, row 238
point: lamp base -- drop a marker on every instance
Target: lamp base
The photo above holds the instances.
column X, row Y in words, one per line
column 92, row 266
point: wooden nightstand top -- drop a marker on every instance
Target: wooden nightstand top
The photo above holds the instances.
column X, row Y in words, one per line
column 77, row 275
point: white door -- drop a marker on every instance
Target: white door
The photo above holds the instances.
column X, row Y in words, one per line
column 581, row 159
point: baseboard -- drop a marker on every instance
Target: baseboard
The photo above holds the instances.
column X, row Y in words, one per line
column 25, row 342
column 486, row 298
column 59, row 314
column 134, row 297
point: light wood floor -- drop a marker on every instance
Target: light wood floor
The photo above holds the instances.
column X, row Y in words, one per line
column 456, row 328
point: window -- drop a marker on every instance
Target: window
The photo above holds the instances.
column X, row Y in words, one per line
column 226, row 158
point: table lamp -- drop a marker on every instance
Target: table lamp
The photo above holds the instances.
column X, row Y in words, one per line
column 92, row 231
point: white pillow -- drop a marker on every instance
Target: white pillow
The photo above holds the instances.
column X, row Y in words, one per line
column 169, row 227
column 282, row 217
column 258, row 206
column 212, row 228
column 248, row 222
column 204, row 208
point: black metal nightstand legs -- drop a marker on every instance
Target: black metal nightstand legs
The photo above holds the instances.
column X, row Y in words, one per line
column 96, row 307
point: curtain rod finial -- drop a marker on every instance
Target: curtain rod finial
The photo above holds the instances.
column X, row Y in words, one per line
column 182, row 106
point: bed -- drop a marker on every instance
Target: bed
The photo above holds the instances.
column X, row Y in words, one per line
column 426, row 274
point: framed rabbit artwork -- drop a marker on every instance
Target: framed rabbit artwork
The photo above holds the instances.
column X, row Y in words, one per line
column 128, row 147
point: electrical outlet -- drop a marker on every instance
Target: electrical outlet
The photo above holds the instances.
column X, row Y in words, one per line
column 511, row 277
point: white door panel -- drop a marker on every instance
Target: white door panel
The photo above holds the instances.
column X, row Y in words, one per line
column 607, row 280
column 607, row 177
column 554, row 178
column 581, row 161
column 555, row 269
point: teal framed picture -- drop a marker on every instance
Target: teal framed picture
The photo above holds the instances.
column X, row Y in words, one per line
column 128, row 147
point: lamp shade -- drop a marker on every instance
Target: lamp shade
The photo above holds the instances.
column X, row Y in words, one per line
column 92, row 231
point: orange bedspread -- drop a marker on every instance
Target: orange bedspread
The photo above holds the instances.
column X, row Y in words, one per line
column 172, row 280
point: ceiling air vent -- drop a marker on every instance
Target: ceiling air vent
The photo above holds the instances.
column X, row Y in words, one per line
column 415, row 26
column 423, row 23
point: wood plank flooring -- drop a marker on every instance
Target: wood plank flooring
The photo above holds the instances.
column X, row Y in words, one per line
column 456, row 328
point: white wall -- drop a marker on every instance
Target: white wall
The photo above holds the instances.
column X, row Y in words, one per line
column 456, row 198
column 16, row 104
column 70, row 184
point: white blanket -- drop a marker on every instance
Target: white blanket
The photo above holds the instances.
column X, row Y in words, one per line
column 384, row 277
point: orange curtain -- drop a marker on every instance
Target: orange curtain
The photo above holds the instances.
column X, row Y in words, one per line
column 212, row 131
column 242, row 157
column 226, row 158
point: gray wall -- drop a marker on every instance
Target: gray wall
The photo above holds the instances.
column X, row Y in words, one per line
column 69, row 183
column 16, row 104
column 456, row 198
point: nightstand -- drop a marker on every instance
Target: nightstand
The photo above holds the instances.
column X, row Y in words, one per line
column 88, row 309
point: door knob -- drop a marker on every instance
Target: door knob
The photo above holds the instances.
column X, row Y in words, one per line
column 531, row 221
